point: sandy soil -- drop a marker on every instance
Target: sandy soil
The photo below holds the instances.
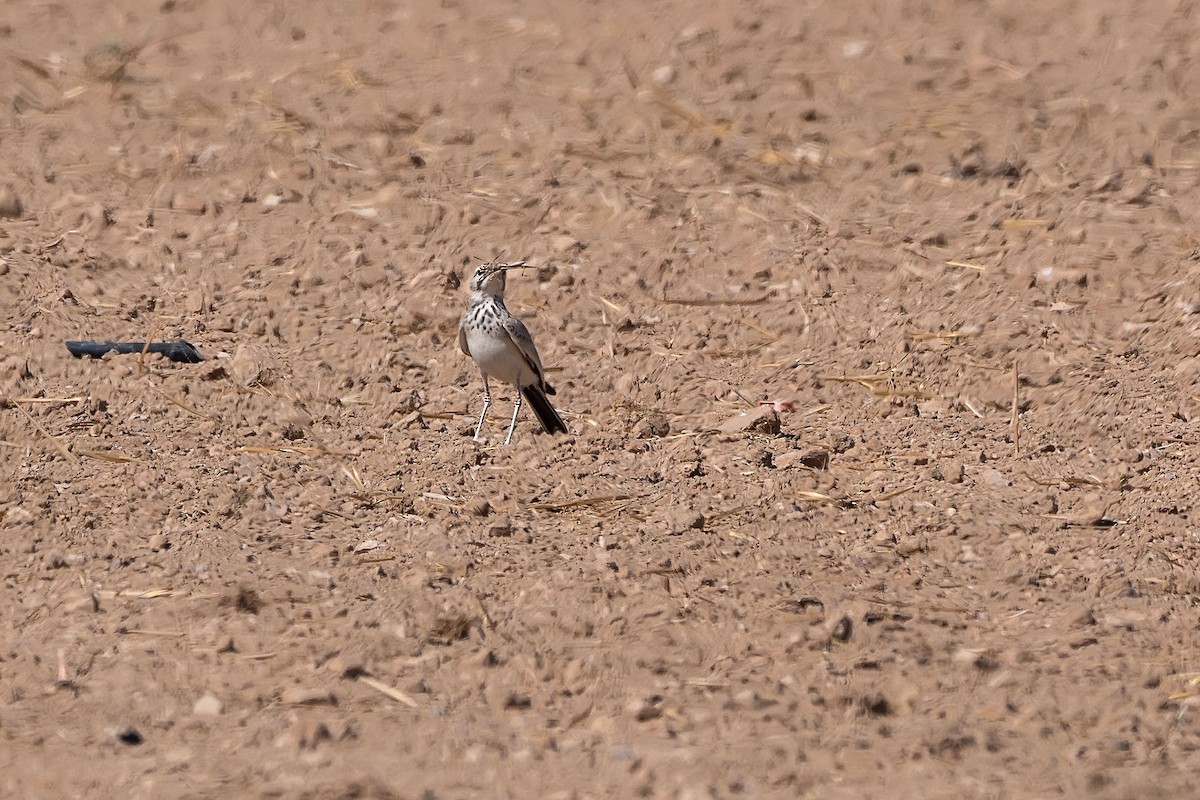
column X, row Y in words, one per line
column 289, row 572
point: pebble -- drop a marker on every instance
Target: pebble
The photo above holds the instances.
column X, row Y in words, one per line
column 1083, row 618
column 502, row 526
column 949, row 471
column 11, row 206
column 479, row 507
column 841, row 441
column 652, row 426
column 348, row 666
column 208, row 706
column 188, row 204
column 815, row 459
column 994, row 477
column 300, row 696
column 685, row 520
column 840, row 627
column 763, row 419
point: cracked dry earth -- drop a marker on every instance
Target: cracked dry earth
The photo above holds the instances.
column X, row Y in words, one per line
column 953, row 244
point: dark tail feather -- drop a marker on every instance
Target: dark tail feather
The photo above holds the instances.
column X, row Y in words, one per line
column 551, row 421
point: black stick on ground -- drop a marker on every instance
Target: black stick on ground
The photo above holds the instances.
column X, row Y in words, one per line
column 180, row 350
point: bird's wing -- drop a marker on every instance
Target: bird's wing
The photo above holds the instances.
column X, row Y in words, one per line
column 462, row 337
column 524, row 342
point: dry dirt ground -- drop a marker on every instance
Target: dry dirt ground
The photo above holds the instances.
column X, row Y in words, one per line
column 289, row 572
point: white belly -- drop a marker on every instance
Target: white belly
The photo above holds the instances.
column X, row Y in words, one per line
column 499, row 358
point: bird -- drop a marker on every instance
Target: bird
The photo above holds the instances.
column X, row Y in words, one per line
column 502, row 347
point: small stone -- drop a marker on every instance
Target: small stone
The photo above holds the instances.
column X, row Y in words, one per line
column 949, row 471
column 764, row 420
column 247, row 601
column 663, row 75
column 647, row 710
column 208, row 706
column 1083, row 618
column 414, row 419
column 157, row 542
column 347, row 666
column 11, row 206
column 1128, row 620
column 994, row 477
column 855, row 49
column 841, row 628
column 300, row 696
column 479, row 507
column 518, row 702
column 840, row 442
column 980, row 659
column 1091, row 513
column 319, row 577
column 188, row 204
column 1130, row 455
column 815, row 459
column 308, row 732
column 685, row 520
column 564, row 243
column 761, row 457
column 279, row 198
column 16, row 515
column 502, row 526
column 130, row 736
column 652, row 426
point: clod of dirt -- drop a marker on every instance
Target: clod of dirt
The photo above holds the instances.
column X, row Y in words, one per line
column 841, row 628
column 253, row 366
column 875, row 705
column 648, row 709
column 982, row 660
column 248, row 601
column 840, row 442
column 764, row 420
column 1091, row 513
column 16, row 515
column 293, row 432
column 996, row 479
column 308, row 732
column 1084, row 618
column 349, row 667
column 685, row 519
column 479, row 507
column 502, row 526
column 11, row 206
column 518, row 702
column 652, row 426
column 815, row 459
column 949, row 471
column 449, row 629
column 188, row 204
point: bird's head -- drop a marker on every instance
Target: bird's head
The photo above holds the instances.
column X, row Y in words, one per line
column 489, row 277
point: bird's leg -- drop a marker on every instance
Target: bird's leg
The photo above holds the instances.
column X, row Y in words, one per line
column 516, row 410
column 487, row 401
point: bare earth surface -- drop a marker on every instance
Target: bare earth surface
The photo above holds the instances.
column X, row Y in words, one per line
column 289, row 572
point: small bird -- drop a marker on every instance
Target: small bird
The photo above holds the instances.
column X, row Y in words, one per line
column 502, row 348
